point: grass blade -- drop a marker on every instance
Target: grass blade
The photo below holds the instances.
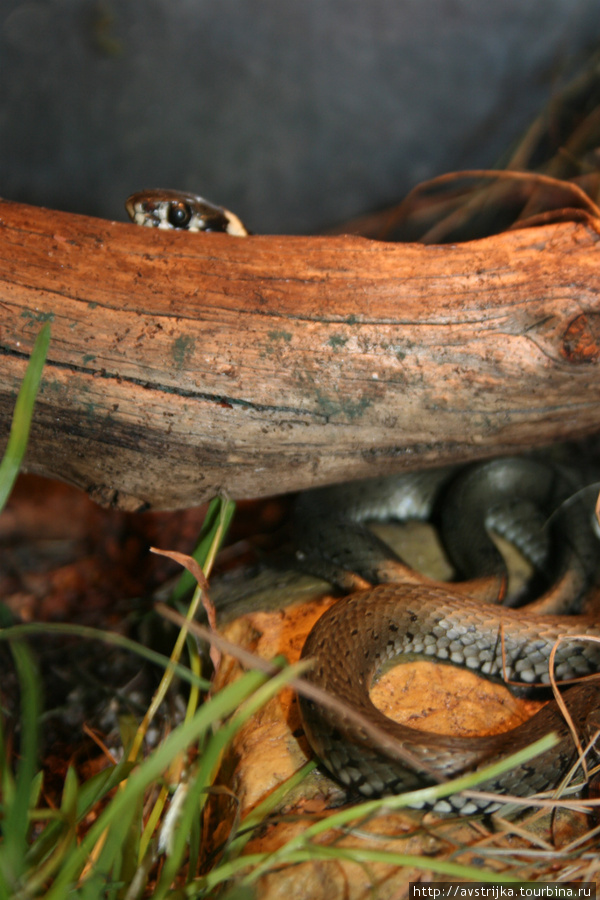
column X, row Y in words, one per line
column 14, row 826
column 21, row 422
column 123, row 804
column 214, row 528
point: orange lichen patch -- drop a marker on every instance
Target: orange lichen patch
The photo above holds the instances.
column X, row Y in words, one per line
column 271, row 747
column 340, row 878
column 447, row 700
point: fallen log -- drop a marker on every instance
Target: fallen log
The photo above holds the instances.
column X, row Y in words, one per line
column 182, row 365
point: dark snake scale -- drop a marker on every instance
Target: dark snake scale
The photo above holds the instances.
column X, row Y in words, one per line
column 527, row 501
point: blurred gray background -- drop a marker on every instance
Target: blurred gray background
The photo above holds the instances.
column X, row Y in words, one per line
column 297, row 114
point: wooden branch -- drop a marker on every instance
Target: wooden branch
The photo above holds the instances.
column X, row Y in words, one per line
column 181, row 365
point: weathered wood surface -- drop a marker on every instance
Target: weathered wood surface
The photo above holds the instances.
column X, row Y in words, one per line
column 181, row 365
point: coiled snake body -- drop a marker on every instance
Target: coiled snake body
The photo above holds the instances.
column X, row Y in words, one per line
column 359, row 633
column 362, row 632
column 355, row 637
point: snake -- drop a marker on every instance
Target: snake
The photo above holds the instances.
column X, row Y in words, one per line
column 531, row 502
column 182, row 211
column 401, row 615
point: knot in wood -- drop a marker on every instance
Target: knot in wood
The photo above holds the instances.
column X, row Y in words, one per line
column 581, row 340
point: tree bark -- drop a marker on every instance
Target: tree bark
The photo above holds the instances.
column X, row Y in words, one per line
column 181, row 365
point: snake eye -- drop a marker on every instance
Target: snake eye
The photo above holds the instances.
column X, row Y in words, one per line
column 179, row 214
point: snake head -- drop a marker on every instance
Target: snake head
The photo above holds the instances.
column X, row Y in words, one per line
column 181, row 211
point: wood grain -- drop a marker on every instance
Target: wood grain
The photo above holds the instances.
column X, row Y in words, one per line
column 182, row 365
